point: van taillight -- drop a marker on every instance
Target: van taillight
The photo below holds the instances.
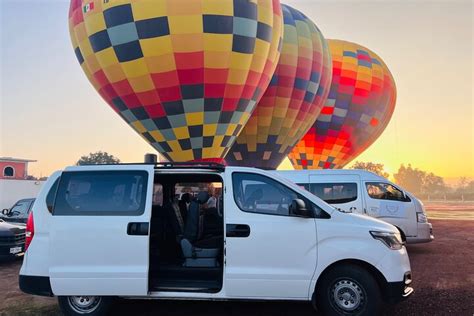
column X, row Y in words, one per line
column 30, row 231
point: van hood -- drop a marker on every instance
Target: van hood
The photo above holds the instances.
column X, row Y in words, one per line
column 364, row 220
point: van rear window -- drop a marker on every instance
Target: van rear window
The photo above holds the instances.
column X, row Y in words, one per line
column 101, row 193
column 52, row 195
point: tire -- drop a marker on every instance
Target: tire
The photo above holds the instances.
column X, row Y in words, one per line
column 348, row 290
column 84, row 305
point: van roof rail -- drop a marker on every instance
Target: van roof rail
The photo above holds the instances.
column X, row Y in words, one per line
column 169, row 165
column 190, row 165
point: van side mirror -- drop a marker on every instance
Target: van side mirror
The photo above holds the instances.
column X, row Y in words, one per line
column 298, row 208
column 5, row 211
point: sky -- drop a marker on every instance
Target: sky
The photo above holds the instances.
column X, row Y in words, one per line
column 50, row 112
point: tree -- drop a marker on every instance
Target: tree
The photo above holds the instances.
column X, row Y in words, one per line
column 376, row 168
column 433, row 184
column 97, row 158
column 419, row 181
column 409, row 178
column 462, row 185
column 470, row 187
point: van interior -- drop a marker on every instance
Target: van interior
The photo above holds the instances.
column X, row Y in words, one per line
column 187, row 233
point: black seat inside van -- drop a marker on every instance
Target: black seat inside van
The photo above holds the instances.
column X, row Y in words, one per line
column 198, row 252
column 187, row 241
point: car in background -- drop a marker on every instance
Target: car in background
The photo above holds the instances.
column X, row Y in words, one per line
column 18, row 213
column 12, row 240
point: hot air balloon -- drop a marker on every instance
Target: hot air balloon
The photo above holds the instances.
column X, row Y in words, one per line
column 293, row 100
column 184, row 74
column 360, row 104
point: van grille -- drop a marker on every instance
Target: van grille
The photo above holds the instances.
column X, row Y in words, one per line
column 17, row 239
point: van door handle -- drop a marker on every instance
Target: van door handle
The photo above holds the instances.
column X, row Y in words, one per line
column 137, row 229
column 237, row 230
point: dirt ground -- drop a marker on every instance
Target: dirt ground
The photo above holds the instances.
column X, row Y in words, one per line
column 443, row 273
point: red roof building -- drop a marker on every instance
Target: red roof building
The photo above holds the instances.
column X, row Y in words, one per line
column 14, row 168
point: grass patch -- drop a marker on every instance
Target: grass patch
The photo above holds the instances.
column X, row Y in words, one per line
column 27, row 309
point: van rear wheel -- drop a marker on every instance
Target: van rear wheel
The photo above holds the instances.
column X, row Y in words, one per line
column 84, row 305
column 348, row 290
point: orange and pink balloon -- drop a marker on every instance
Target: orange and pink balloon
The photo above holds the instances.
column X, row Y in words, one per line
column 360, row 104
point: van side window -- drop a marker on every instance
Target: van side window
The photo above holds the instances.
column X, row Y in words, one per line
column 258, row 194
column 385, row 191
column 255, row 193
column 52, row 195
column 102, row 193
column 334, row 193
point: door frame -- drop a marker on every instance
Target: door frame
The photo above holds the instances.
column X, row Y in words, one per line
column 245, row 282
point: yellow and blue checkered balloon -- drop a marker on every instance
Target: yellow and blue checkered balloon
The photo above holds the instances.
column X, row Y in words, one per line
column 185, row 74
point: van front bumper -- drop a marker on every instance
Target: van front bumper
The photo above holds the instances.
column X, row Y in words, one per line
column 395, row 267
column 396, row 292
column 425, row 234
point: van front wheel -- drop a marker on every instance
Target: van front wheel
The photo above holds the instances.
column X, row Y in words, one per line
column 84, row 305
column 348, row 290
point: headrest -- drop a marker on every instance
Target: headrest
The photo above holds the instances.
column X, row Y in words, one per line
column 257, row 194
column 186, row 197
column 202, row 197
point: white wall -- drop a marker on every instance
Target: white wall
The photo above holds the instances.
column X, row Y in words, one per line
column 14, row 190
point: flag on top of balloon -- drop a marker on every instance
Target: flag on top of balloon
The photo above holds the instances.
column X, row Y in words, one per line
column 245, row 82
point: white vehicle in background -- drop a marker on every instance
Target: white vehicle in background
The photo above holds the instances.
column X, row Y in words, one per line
column 363, row 192
column 101, row 231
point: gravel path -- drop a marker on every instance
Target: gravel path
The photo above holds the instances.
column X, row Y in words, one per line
column 443, row 273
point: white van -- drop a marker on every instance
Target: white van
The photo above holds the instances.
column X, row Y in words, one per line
column 98, row 232
column 363, row 192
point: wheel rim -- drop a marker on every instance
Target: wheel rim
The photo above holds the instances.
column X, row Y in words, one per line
column 84, row 304
column 348, row 295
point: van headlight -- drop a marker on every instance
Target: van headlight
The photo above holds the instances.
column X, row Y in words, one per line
column 391, row 240
column 421, row 218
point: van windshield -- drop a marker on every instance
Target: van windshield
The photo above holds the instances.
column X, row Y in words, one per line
column 385, row 191
column 20, row 209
